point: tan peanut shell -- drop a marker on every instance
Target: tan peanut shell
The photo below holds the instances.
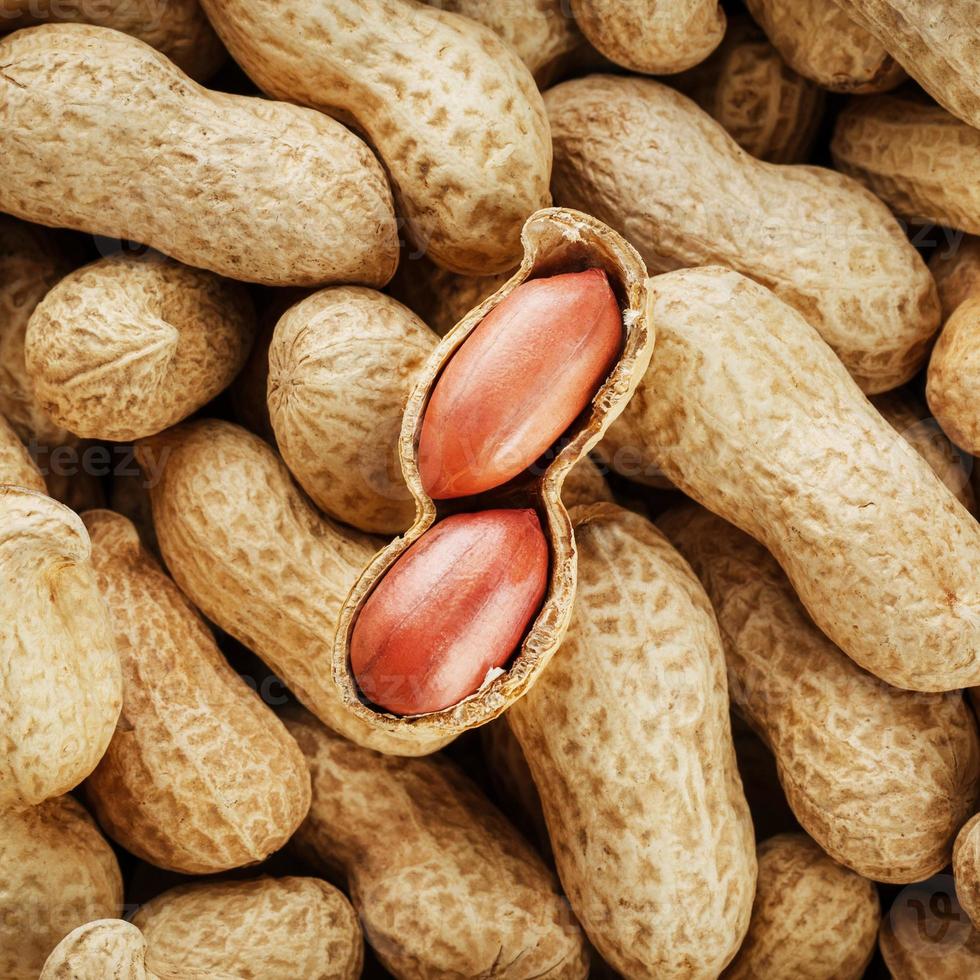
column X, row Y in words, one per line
column 936, row 43
column 267, row 929
column 921, row 161
column 58, row 872
column 88, row 114
column 926, row 935
column 825, row 44
column 16, row 465
column 772, row 112
column 650, row 163
column 341, row 366
column 250, row 551
column 176, row 28
column 748, row 412
column 966, row 867
column 658, row 37
column 200, row 776
column 884, row 798
column 556, row 240
column 129, row 345
column 443, row 885
column 451, row 109
column 105, row 949
column 811, row 920
column 61, row 685
column 628, row 740
column 956, row 269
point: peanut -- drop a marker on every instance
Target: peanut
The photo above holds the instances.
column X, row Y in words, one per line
column 888, row 815
column 468, row 165
column 486, row 420
column 628, row 740
column 749, row 413
column 935, row 44
column 106, row 949
column 313, row 209
column 242, row 787
column 127, row 346
column 60, row 687
column 58, row 872
column 654, row 166
column 966, row 867
column 658, row 37
column 341, row 365
column 585, row 484
column 16, row 465
column 825, row 44
column 811, row 920
column 450, row 611
column 176, row 28
column 443, row 885
column 921, row 161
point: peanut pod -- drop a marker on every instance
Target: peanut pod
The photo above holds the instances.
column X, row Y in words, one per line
column 749, row 413
column 632, row 756
column 556, row 241
column 468, row 166
column 888, row 815
column 658, row 169
column 966, row 867
column 87, row 114
column 105, row 949
column 16, row 465
column 443, row 885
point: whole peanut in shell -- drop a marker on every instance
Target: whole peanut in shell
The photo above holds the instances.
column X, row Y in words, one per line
column 176, row 28
column 885, row 799
column 341, row 365
column 658, row 37
column 16, row 465
column 824, row 43
column 628, row 740
column 966, row 867
column 104, row 949
column 61, row 685
column 934, row 43
column 293, row 198
column 749, row 412
column 811, row 919
column 58, row 872
column 655, row 167
column 241, row 787
column 127, row 346
column 443, row 885
column 267, row 929
column 472, row 158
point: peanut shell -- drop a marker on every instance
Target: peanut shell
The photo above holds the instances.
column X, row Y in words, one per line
column 16, row 465
column 106, row 949
column 966, row 867
column 308, row 210
column 469, row 159
column 957, row 272
column 658, row 169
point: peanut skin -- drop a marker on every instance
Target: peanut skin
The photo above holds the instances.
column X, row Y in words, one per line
column 749, row 413
column 308, row 210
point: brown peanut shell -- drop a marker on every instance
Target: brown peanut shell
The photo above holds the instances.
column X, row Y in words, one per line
column 749, row 412
column 811, row 919
column 662, row 172
column 555, row 240
column 966, row 867
column 449, row 106
column 16, row 465
column 882, row 779
column 200, row 775
column 105, row 949
column 956, row 269
column 101, row 133
column 628, row 739
column 443, row 885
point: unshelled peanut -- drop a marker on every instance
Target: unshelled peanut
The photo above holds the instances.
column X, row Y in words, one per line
column 966, row 867
column 16, row 465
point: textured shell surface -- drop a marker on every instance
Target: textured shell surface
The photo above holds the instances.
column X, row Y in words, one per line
column 628, row 739
column 812, row 919
column 449, row 106
column 819, row 240
column 291, row 196
column 748, row 411
column 341, row 366
column 16, row 465
column 264, row 929
column 443, row 885
column 882, row 779
column 200, row 775
column 129, row 345
column 104, row 949
column 60, row 683
column 953, row 379
column 957, row 272
column 966, row 867
column 58, row 872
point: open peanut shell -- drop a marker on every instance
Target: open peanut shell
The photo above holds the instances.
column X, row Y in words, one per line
column 556, row 240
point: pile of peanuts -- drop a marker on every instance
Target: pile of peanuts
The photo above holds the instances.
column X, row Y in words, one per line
column 488, row 489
